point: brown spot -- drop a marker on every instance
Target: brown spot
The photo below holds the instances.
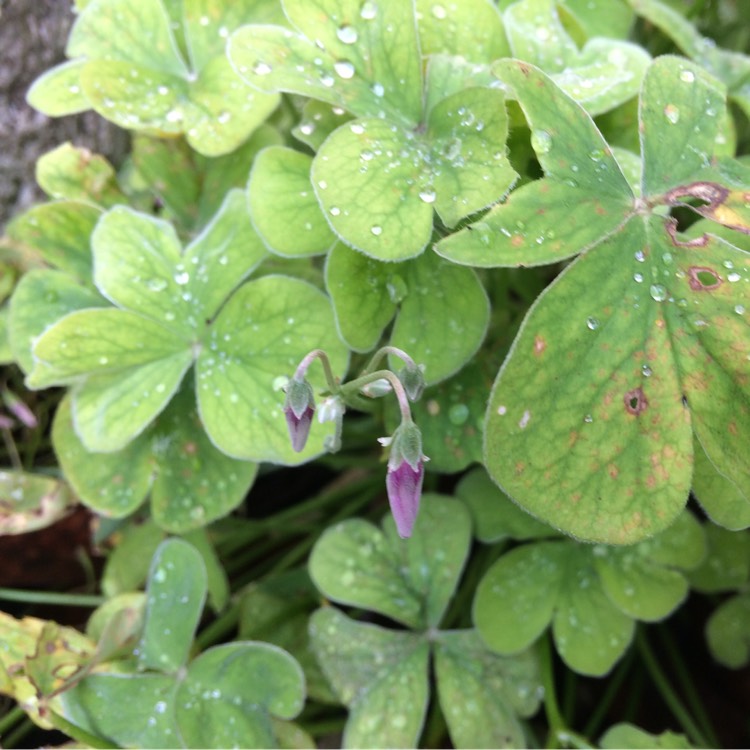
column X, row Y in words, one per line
column 575, row 498
column 573, row 438
column 118, row 479
column 703, row 279
column 601, row 211
column 524, row 68
column 732, row 427
column 659, row 323
column 651, row 481
column 539, row 345
column 517, row 240
column 520, row 467
column 635, row 401
column 709, row 192
column 613, row 471
column 190, row 448
column 701, row 241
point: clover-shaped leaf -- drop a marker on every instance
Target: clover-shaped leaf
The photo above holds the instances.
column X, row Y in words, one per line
column 602, row 75
column 356, row 563
column 190, row 481
column 379, row 177
column 128, row 361
column 596, row 418
column 382, row 674
column 588, row 598
column 31, row 501
column 226, row 697
column 441, row 309
column 628, row 735
column 131, row 70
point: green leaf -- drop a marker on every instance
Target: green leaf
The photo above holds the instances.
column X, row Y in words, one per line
column 283, row 206
column 261, row 334
column 193, row 482
column 129, row 562
column 72, row 173
column 175, row 595
column 443, row 319
column 364, row 293
column 138, row 78
column 411, row 582
column 60, row 233
column 551, row 582
column 318, row 121
column 601, row 76
column 216, row 577
column 610, row 18
column 58, row 91
column 362, row 57
column 473, row 29
column 495, row 515
column 732, row 68
column 229, row 692
column 727, row 565
column 381, row 675
column 41, row 298
column 628, row 735
column 130, row 710
column 728, row 634
column 654, row 361
column 30, row 501
column 646, row 581
column 480, row 692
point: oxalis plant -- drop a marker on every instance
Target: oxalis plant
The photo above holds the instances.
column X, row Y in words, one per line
column 510, row 238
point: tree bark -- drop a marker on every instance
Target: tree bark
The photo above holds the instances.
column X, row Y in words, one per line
column 33, row 34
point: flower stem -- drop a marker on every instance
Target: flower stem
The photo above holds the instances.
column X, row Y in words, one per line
column 667, row 692
column 51, row 597
column 307, row 360
column 77, row 733
column 403, row 400
column 383, row 352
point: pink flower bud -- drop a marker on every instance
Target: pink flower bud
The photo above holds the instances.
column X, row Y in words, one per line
column 298, row 410
column 404, row 485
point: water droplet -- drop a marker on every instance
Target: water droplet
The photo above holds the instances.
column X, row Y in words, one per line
column 428, row 196
column 638, row 277
column 397, row 289
column 666, row 259
column 376, row 230
column 588, row 419
column 687, row 76
column 103, row 360
column 658, row 292
column 307, row 128
column 672, row 113
column 378, row 89
column 224, row 117
column 439, row 12
column 160, row 707
column 526, row 416
column 458, row 414
column 174, row 115
column 327, row 80
column 502, row 410
column 344, row 69
column 640, row 256
column 733, row 277
column 647, row 371
column 347, row 34
column 163, row 90
column 182, row 278
column 592, row 324
column 739, row 309
column 156, row 285
column 368, row 11
column 357, row 128
column 541, row 141
column 262, row 69
column 322, row 184
column 335, row 211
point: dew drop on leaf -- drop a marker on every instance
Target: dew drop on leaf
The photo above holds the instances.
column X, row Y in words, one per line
column 347, row 34
column 640, row 256
column 344, row 69
column 327, row 80
column 182, row 278
column 672, row 113
column 739, row 309
column 592, row 324
column 378, row 89
column 368, row 11
column 647, row 371
column 458, row 414
column 428, row 196
column 687, row 76
column 541, row 141
column 658, row 292
column 376, row 229
column 638, row 277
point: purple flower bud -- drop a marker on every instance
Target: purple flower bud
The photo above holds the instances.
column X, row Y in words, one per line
column 405, row 475
column 298, row 410
column 404, row 485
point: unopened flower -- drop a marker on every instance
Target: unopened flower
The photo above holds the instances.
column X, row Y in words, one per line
column 412, row 378
column 299, row 408
column 404, row 478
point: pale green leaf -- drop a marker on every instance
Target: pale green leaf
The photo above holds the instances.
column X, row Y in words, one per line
column 728, row 632
column 29, row 502
column 58, row 91
column 628, row 735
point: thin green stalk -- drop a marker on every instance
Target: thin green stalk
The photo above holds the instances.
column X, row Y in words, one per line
column 14, row 716
column 667, row 692
column 593, row 725
column 558, row 734
column 14, row 738
column 51, row 597
column 688, row 686
column 569, row 697
column 78, row 734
